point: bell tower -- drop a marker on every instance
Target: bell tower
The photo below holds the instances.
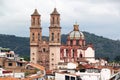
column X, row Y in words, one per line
column 55, row 29
column 35, row 36
column 54, row 38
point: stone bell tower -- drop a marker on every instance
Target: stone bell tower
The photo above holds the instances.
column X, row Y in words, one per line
column 54, row 39
column 35, row 36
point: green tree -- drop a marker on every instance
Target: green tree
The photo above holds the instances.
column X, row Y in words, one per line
column 117, row 58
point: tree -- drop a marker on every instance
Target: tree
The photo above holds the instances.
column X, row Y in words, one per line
column 117, row 58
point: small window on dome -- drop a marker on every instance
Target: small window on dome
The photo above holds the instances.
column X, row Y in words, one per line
column 71, row 42
column 77, row 42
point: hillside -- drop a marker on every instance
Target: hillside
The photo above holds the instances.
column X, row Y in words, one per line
column 18, row 44
column 105, row 48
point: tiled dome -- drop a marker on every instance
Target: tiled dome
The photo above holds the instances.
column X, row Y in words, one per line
column 76, row 34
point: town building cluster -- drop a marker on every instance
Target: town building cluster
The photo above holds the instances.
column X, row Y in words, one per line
column 52, row 60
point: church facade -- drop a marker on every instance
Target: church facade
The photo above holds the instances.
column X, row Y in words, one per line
column 50, row 53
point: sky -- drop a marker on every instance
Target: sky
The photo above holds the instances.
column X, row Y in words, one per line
column 101, row 17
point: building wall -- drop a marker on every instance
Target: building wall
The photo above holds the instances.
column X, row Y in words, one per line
column 34, row 54
column 10, row 64
column 54, row 56
column 90, row 55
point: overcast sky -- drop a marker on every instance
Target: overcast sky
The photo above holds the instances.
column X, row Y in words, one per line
column 101, row 17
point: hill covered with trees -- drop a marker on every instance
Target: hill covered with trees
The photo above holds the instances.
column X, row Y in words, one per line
column 104, row 47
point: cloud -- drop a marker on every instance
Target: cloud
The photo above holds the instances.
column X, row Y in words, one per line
column 96, row 16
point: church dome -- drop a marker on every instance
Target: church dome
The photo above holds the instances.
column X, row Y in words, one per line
column 76, row 34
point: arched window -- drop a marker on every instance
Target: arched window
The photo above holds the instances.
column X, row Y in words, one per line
column 53, row 20
column 57, row 20
column 52, row 37
column 58, row 37
column 77, row 42
column 38, row 21
column 67, row 52
column 44, row 50
column 73, row 53
column 38, row 36
column 71, row 42
column 32, row 36
column 33, row 21
column 80, row 55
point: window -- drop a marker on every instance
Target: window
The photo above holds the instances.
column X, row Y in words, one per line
column 21, row 64
column 52, row 64
column 52, row 59
column 77, row 42
column 73, row 53
column 67, row 77
column 38, row 21
column 58, row 37
column 58, row 20
column 38, row 36
column 52, row 37
column 67, row 52
column 52, row 53
column 81, row 55
column 72, row 78
column 7, row 55
column 10, row 55
column 32, row 58
column 33, row 53
column 33, row 22
column 71, row 42
column 43, row 49
column 53, row 20
column 9, row 64
column 32, row 36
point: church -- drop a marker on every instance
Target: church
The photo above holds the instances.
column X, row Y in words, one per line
column 50, row 53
